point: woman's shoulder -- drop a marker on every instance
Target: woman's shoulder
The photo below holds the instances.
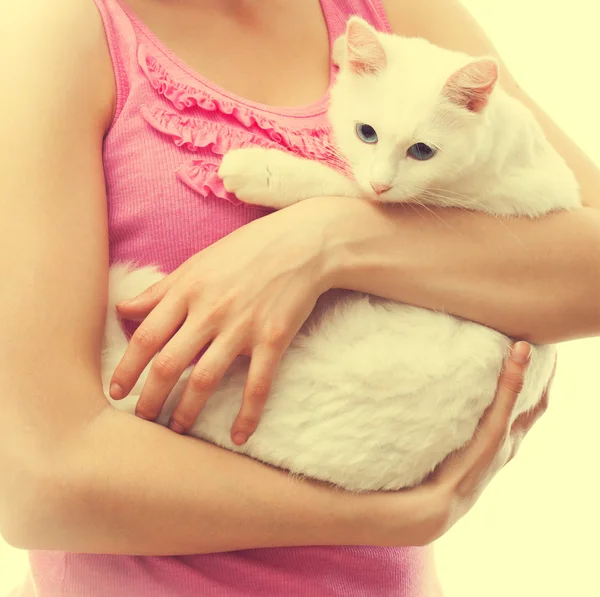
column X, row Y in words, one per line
column 57, row 42
column 446, row 23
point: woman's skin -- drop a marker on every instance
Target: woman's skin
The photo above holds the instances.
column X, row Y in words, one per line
column 77, row 475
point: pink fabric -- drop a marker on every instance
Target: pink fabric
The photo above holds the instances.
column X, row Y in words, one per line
column 165, row 204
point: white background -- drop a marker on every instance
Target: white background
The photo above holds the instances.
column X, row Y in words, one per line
column 535, row 531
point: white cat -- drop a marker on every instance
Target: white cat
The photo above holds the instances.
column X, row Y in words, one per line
column 371, row 394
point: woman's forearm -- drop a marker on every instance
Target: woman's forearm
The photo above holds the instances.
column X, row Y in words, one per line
column 126, row 486
column 537, row 280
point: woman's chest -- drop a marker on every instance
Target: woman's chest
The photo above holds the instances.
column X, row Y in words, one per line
column 173, row 124
column 273, row 52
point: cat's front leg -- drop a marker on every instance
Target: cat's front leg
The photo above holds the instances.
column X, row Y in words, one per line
column 273, row 178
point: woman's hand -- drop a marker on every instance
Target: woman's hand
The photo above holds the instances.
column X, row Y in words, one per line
column 461, row 478
column 247, row 294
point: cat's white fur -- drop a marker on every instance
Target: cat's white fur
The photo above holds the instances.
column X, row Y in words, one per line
column 371, row 394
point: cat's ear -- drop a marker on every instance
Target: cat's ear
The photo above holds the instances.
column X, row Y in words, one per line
column 338, row 53
column 364, row 53
column 471, row 86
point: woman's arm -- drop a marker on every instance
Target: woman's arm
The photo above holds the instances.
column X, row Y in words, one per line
column 537, row 280
column 534, row 280
column 75, row 474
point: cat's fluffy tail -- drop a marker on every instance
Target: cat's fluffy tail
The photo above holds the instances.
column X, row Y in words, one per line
column 124, row 283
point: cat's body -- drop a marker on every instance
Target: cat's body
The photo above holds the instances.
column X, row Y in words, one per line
column 372, row 394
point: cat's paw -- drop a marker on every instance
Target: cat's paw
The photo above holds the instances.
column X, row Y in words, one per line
column 246, row 174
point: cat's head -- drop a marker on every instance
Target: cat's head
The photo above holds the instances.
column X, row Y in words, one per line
column 407, row 115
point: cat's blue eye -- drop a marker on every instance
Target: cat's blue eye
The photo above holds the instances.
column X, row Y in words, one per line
column 421, row 152
column 366, row 133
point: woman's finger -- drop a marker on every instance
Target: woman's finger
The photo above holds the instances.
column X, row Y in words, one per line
column 525, row 421
column 495, row 424
column 168, row 366
column 263, row 368
column 139, row 306
column 467, row 462
column 203, row 381
column 152, row 334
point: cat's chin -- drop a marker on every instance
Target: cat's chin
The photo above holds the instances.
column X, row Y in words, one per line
column 392, row 195
column 373, row 197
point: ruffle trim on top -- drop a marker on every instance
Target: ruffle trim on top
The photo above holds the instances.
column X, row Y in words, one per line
column 181, row 95
column 197, row 134
column 201, row 176
column 187, row 95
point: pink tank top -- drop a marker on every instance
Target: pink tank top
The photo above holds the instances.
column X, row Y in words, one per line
column 166, row 203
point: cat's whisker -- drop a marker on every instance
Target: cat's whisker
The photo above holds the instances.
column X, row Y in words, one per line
column 443, row 202
column 456, row 203
column 412, row 206
column 498, row 218
column 435, row 214
column 464, row 205
column 452, row 193
column 446, row 201
column 458, row 199
column 469, row 199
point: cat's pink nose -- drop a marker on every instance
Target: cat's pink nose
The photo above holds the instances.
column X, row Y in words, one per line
column 380, row 187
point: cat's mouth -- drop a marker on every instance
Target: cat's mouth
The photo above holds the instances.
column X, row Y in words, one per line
column 377, row 195
column 384, row 197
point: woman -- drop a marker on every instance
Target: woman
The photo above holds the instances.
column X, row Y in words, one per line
column 127, row 119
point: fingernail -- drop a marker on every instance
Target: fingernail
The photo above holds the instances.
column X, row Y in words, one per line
column 176, row 427
column 116, row 391
column 521, row 352
column 240, row 438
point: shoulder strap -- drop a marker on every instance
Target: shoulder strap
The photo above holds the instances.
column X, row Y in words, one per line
column 122, row 44
column 337, row 13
